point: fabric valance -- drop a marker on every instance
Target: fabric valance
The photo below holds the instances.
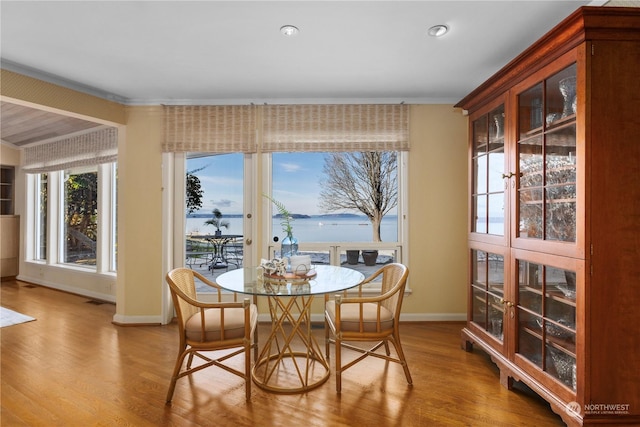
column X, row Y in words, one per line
column 209, row 128
column 88, row 149
column 370, row 127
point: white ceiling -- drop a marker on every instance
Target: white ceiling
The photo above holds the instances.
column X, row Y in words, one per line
column 230, row 52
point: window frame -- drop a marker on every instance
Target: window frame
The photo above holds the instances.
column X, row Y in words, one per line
column 106, row 220
column 336, row 248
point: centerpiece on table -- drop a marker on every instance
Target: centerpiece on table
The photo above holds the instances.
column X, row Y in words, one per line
column 289, row 245
column 299, row 265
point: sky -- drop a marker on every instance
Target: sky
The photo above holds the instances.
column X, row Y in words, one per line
column 296, row 181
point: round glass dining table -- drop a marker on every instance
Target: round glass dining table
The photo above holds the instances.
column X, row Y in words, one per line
column 291, row 361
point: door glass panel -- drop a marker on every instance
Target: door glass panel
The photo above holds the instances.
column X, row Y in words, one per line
column 496, row 169
column 547, row 158
column 479, row 264
column 489, row 168
column 547, row 319
column 496, row 317
column 479, row 308
column 531, row 213
column 214, row 242
column 562, row 365
column 480, row 136
column 481, row 174
column 488, row 292
column 530, row 286
column 560, row 96
column 560, row 216
column 496, row 213
column 480, row 205
column 560, row 184
column 529, row 337
column 530, row 111
column 479, row 287
column 495, row 274
column 531, row 165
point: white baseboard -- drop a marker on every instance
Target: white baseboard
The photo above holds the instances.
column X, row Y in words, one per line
column 120, row 319
column 70, row 289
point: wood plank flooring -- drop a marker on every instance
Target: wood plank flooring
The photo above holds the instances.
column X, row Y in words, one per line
column 73, row 367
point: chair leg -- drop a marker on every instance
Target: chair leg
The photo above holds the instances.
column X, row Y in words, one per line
column 386, row 347
column 190, row 360
column 247, row 370
column 403, row 361
column 327, row 339
column 338, row 345
column 176, row 372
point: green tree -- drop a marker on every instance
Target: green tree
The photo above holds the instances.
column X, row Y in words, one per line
column 194, row 191
column 81, row 212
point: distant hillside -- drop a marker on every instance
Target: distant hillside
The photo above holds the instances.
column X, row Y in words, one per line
column 294, row 216
column 340, row 215
column 208, row 215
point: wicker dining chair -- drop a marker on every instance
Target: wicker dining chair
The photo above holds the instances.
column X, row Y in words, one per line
column 372, row 318
column 209, row 327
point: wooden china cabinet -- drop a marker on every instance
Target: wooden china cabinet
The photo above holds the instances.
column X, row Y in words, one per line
column 554, row 201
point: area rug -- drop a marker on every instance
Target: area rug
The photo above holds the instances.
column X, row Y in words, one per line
column 10, row 317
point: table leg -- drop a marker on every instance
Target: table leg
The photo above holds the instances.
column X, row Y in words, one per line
column 297, row 364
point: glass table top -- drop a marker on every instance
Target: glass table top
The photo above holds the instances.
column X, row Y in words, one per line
column 327, row 279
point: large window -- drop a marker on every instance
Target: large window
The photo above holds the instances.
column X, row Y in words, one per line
column 74, row 221
column 41, row 217
column 80, row 219
column 338, row 197
column 346, row 206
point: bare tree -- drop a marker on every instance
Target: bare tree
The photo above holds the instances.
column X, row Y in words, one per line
column 361, row 181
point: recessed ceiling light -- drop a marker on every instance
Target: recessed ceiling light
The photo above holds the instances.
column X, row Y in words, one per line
column 289, row 30
column 438, row 30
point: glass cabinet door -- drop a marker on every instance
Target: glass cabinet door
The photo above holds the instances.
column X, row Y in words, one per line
column 547, row 159
column 546, row 319
column 487, row 290
column 488, row 168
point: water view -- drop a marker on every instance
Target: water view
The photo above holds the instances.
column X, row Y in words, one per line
column 320, row 228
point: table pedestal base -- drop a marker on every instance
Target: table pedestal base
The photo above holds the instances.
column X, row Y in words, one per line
column 281, row 368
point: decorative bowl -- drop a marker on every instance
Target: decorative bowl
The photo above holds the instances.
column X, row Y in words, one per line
column 565, row 367
column 557, row 331
column 567, row 292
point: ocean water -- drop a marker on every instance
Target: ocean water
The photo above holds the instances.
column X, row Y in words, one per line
column 314, row 229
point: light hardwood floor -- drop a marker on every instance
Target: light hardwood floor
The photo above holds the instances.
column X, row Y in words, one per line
column 73, row 367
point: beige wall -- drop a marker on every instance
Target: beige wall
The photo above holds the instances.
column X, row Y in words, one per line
column 436, row 215
column 140, row 277
column 9, row 156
